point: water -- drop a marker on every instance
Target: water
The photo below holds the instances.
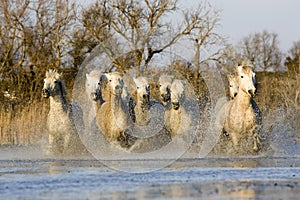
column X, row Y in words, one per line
column 26, row 174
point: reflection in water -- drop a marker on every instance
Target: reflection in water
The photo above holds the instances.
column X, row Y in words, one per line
column 210, row 190
column 242, row 194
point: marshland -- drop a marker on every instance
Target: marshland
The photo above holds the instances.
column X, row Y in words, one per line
column 144, row 99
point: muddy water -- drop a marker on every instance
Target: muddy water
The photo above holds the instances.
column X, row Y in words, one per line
column 37, row 177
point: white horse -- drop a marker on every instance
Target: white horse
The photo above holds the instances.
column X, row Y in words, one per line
column 113, row 117
column 238, row 116
column 142, row 107
column 233, row 85
column 165, row 82
column 149, row 127
column 91, row 84
column 178, row 119
column 234, row 89
column 63, row 137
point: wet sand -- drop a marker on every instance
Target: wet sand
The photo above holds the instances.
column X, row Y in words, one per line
column 37, row 177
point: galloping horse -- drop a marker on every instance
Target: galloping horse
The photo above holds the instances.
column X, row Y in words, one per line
column 63, row 137
column 241, row 119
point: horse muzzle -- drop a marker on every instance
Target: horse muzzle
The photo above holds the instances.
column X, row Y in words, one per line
column 252, row 92
column 175, row 105
column 165, row 97
column 45, row 93
column 95, row 96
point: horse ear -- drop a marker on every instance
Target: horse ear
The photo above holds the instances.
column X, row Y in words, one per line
column 230, row 76
column 239, row 69
column 134, row 80
column 103, row 80
column 87, row 76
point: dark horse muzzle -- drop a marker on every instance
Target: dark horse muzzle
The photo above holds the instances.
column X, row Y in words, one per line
column 45, row 93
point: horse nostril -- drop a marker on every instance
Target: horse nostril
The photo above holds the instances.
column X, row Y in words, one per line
column 252, row 92
column 175, row 105
column 45, row 93
column 94, row 96
column 234, row 94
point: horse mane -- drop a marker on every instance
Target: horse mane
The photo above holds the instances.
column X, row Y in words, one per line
column 141, row 81
column 52, row 73
column 246, row 67
column 178, row 85
column 165, row 78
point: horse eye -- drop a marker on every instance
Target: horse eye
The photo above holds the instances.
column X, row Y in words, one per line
column 230, row 85
column 110, row 80
column 242, row 76
column 55, row 81
column 137, row 87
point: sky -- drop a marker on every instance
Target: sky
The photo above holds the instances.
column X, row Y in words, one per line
column 239, row 18
column 242, row 17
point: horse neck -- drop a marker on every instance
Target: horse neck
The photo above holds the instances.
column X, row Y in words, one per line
column 116, row 103
column 59, row 102
column 142, row 106
column 242, row 99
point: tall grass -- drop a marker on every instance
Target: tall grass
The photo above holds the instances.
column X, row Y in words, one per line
column 23, row 125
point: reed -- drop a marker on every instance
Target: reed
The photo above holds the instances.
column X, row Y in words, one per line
column 23, row 125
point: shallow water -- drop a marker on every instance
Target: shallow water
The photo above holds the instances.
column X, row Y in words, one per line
column 37, row 177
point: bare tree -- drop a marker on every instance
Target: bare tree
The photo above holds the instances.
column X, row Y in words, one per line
column 13, row 16
column 292, row 61
column 262, row 49
column 53, row 26
column 34, row 36
column 289, row 88
column 209, row 45
column 205, row 35
column 144, row 28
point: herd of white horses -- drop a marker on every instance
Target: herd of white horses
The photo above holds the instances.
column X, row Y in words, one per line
column 115, row 110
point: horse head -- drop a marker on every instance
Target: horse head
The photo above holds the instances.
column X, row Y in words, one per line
column 177, row 93
column 165, row 83
column 142, row 88
column 233, row 85
column 246, row 79
column 53, row 85
column 112, row 82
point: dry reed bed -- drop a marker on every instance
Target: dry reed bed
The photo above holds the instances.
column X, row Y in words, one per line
column 23, row 126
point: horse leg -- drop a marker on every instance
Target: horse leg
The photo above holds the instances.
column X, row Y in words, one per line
column 66, row 144
column 255, row 142
column 50, row 147
column 255, row 138
column 234, row 138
